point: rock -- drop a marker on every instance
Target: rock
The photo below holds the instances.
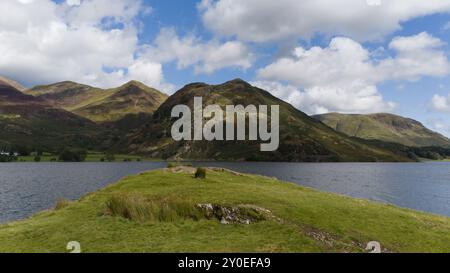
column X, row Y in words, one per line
column 241, row 214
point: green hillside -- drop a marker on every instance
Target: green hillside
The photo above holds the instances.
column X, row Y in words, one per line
column 136, row 119
column 166, row 211
column 32, row 122
column 101, row 105
column 385, row 127
column 302, row 138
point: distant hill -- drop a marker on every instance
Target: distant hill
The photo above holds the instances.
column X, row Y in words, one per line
column 385, row 127
column 16, row 85
column 32, row 122
column 302, row 138
column 136, row 118
column 101, row 105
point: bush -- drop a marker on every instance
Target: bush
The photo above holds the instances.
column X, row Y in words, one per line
column 73, row 155
column 137, row 207
column 62, row 203
column 37, row 158
column 7, row 158
column 200, row 173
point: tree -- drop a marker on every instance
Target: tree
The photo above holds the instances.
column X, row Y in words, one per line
column 7, row 158
column 67, row 155
column 110, row 157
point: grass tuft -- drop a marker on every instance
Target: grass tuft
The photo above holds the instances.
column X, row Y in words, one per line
column 137, row 207
column 62, row 203
column 200, row 173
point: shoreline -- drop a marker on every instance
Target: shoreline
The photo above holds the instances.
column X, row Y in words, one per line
column 181, row 167
column 301, row 212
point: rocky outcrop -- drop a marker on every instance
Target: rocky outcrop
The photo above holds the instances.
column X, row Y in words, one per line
column 241, row 214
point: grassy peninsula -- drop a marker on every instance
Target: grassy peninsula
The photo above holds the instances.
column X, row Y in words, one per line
column 158, row 211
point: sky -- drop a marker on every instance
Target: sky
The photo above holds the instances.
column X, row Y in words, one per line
column 347, row 56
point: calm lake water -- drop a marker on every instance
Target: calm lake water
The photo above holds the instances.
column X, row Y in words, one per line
column 26, row 188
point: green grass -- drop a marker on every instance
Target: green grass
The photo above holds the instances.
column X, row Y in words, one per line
column 91, row 157
column 440, row 160
column 304, row 220
column 138, row 207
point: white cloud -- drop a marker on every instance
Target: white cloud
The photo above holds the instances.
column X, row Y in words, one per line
column 268, row 20
column 358, row 98
column 439, row 125
column 343, row 77
column 206, row 57
column 43, row 42
column 96, row 42
column 92, row 12
column 73, row 2
column 441, row 103
column 416, row 56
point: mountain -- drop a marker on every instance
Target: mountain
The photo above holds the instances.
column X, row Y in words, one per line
column 302, row 138
column 101, row 105
column 385, row 127
column 32, row 122
column 16, row 85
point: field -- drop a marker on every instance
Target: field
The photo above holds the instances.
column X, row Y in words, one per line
column 156, row 212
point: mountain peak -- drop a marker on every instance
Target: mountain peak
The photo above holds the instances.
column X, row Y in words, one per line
column 237, row 81
column 134, row 83
column 134, row 86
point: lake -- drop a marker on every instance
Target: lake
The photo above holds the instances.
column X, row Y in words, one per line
column 27, row 188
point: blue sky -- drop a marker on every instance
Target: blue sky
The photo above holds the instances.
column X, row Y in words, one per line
column 347, row 56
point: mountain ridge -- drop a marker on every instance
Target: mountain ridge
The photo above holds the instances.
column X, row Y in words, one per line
column 101, row 105
column 384, row 127
column 145, row 130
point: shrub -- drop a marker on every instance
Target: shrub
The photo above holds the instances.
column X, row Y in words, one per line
column 110, row 157
column 136, row 207
column 7, row 158
column 62, row 203
column 72, row 155
column 200, row 173
column 37, row 158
